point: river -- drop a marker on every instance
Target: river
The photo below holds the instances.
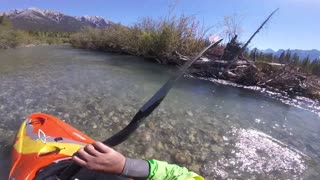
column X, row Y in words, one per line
column 216, row 130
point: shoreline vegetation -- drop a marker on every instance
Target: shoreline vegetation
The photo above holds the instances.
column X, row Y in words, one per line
column 174, row 40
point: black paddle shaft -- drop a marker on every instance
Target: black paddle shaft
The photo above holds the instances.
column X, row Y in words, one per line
column 143, row 112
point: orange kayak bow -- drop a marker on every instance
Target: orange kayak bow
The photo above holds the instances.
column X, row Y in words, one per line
column 41, row 140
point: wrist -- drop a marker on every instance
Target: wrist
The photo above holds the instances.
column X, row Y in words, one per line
column 135, row 168
column 121, row 165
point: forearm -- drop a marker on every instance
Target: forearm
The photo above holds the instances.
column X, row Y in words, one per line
column 156, row 170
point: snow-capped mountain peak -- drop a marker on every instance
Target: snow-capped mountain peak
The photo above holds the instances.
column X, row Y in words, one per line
column 39, row 19
column 96, row 21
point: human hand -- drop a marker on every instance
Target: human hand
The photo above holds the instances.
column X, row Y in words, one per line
column 99, row 157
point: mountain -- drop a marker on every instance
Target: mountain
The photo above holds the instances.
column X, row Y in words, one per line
column 39, row 19
column 94, row 21
column 268, row 51
column 313, row 54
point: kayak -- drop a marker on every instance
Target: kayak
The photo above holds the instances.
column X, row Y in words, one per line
column 43, row 140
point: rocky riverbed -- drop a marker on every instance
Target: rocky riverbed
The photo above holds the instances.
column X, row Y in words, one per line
column 218, row 131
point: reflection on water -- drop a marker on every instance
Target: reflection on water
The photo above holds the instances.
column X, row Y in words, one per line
column 255, row 152
column 218, row 131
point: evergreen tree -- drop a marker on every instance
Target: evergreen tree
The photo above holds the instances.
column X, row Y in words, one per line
column 296, row 58
column 306, row 63
column 269, row 57
column 253, row 54
column 315, row 67
column 281, row 58
column 287, row 57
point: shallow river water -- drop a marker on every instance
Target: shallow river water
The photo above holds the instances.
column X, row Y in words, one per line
column 219, row 131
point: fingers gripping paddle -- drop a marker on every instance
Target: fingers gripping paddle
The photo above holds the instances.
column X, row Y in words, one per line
column 143, row 112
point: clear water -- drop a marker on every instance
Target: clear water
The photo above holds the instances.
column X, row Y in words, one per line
column 216, row 130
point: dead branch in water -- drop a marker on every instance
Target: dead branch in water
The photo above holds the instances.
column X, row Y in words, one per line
column 235, row 57
column 255, row 33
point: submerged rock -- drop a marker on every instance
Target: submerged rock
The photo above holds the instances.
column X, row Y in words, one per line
column 151, row 125
column 216, row 148
column 149, row 152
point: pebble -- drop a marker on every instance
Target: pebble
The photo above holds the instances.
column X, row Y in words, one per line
column 146, row 137
column 203, row 156
column 115, row 119
column 94, row 126
column 182, row 158
column 195, row 167
column 225, row 138
column 28, row 101
column 173, row 140
column 66, row 116
column 151, row 125
column 215, row 138
column 159, row 146
column 111, row 114
column 190, row 113
column 105, row 119
column 192, row 138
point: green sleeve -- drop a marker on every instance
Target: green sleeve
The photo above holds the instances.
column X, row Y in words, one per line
column 160, row 170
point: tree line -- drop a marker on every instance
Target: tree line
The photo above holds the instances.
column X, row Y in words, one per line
column 287, row 57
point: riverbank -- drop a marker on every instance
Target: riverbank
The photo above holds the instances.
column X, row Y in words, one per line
column 286, row 79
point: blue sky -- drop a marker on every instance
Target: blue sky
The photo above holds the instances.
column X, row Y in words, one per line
column 295, row 26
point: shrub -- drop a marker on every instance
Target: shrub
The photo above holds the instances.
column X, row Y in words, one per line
column 158, row 39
